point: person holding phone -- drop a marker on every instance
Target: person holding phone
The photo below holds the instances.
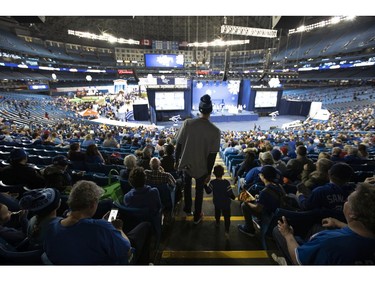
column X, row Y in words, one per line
column 351, row 243
column 97, row 241
column 112, row 215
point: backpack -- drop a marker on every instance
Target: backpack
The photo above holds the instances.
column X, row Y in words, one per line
column 287, row 201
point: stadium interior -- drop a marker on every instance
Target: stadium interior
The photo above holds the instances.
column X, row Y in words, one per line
column 272, row 79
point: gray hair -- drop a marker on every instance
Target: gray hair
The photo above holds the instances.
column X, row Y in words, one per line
column 130, row 161
column 84, row 194
column 155, row 163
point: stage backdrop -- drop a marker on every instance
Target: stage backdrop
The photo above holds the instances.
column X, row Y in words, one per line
column 223, row 93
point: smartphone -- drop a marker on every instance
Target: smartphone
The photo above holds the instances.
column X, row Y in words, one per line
column 112, row 215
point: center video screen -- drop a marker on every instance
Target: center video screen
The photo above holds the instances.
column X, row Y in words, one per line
column 164, row 60
column 169, row 101
column 223, row 94
column 265, row 99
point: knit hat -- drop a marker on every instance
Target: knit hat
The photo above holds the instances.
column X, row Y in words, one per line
column 60, row 160
column 341, row 171
column 276, row 153
column 17, row 154
column 40, row 201
column 205, row 104
column 270, row 173
column 266, row 158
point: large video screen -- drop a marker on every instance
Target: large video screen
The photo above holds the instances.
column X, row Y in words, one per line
column 164, row 61
column 224, row 94
column 265, row 99
column 169, row 101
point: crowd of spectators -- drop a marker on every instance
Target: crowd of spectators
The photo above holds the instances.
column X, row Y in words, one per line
column 316, row 159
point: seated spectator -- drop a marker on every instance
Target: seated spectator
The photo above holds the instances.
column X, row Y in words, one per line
column 160, row 145
column 43, row 204
column 75, row 153
column 36, row 138
column 47, row 140
column 247, row 164
column 292, row 148
column 331, row 195
column 110, row 141
column 57, row 175
column 6, row 137
column 341, row 244
column 144, row 160
column 362, row 151
column 135, row 143
column 295, row 166
column 97, row 241
column 336, row 154
column 12, row 235
column 55, row 138
column 319, row 177
column 284, row 157
column 352, row 157
column 311, row 147
column 88, row 140
column 279, row 164
column 148, row 144
column 325, row 155
column 19, row 172
column 266, row 204
column 156, row 177
column 142, row 195
column 231, row 148
column 252, row 179
column 130, row 162
column 93, row 155
column 168, row 160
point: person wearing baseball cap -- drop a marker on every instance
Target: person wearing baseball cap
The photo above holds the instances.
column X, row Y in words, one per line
column 57, row 174
column 20, row 173
column 43, row 203
column 266, row 204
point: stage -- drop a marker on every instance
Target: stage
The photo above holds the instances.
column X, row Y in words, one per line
column 265, row 123
column 229, row 117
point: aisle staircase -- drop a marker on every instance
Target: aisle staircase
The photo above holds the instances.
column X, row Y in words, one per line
column 205, row 244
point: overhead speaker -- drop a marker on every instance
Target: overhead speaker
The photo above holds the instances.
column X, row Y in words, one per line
column 225, row 77
column 226, row 64
column 262, row 77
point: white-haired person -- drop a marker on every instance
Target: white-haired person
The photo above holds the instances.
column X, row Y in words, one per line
column 79, row 239
column 130, row 162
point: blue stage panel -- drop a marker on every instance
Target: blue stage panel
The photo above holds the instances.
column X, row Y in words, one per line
column 228, row 117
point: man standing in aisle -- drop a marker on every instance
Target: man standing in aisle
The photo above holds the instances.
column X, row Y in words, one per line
column 198, row 142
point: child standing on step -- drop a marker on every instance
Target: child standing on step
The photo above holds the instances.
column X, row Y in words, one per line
column 222, row 195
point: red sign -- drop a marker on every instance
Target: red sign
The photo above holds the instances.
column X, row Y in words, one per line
column 202, row 72
column 125, row 71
